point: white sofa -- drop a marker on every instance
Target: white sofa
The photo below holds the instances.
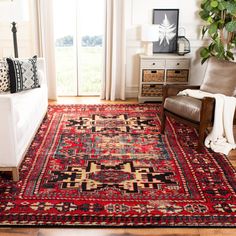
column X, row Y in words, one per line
column 20, row 116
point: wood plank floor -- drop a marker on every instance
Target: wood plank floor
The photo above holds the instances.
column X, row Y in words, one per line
column 123, row 231
column 118, row 232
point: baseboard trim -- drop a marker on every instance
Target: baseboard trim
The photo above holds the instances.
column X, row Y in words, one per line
column 132, row 92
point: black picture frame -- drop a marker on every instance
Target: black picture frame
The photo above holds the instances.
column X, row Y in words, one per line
column 167, row 19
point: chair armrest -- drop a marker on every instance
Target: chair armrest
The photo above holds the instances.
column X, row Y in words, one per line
column 207, row 110
column 174, row 89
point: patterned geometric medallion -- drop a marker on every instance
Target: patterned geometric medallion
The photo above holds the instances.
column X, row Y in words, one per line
column 108, row 165
column 122, row 123
column 124, row 176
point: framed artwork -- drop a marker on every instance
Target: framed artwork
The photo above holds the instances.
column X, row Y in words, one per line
column 168, row 21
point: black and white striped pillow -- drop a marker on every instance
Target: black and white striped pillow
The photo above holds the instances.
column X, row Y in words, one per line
column 23, row 74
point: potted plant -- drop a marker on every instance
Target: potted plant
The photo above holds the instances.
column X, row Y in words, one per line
column 220, row 18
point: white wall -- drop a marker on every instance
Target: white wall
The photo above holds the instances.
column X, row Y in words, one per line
column 139, row 12
column 23, row 39
column 24, row 35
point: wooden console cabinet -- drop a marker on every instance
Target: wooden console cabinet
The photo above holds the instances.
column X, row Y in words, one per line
column 160, row 69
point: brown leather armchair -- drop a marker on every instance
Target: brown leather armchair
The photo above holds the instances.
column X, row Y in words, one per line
column 220, row 77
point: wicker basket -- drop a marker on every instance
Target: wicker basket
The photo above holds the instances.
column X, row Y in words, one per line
column 153, row 75
column 152, row 90
column 177, row 75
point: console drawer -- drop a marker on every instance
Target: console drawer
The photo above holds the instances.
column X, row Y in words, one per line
column 151, row 90
column 153, row 64
column 177, row 75
column 153, row 75
column 177, row 64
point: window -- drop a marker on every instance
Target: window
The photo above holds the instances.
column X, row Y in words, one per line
column 79, row 45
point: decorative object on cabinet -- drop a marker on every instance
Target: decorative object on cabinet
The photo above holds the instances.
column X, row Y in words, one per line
column 149, row 34
column 167, row 20
column 220, row 26
column 14, row 11
column 183, row 44
column 160, row 69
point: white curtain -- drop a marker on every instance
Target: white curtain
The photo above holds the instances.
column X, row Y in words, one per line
column 113, row 86
column 44, row 40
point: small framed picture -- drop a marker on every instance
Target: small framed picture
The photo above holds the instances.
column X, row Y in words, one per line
column 168, row 21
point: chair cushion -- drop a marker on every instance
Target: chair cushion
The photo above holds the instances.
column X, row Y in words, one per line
column 220, row 77
column 184, row 106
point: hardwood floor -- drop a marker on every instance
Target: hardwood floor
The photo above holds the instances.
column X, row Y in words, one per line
column 123, row 231
column 119, row 232
column 90, row 100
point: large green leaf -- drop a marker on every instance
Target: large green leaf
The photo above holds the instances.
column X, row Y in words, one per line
column 231, row 7
column 208, row 6
column 204, row 14
column 214, row 3
column 219, row 48
column 222, row 5
column 213, row 28
column 204, row 52
column 231, row 26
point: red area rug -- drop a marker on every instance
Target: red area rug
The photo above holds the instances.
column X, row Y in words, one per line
column 108, row 165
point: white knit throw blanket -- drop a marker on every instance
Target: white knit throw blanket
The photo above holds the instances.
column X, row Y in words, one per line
column 221, row 138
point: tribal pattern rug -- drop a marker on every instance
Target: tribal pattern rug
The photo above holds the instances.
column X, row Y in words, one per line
column 108, row 165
